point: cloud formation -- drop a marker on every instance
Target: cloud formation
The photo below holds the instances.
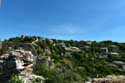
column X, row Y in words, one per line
column 66, row 29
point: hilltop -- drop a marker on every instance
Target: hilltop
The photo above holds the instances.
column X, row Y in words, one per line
column 59, row 61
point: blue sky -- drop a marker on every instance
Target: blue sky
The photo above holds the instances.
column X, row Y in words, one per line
column 64, row 19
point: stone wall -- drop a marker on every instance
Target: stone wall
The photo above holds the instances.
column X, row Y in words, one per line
column 109, row 79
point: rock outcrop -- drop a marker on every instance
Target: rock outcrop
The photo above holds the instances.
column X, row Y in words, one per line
column 108, row 79
column 18, row 61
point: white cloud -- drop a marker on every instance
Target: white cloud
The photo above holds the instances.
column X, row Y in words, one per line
column 66, row 29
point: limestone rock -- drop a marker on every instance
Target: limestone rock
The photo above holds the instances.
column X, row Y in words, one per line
column 21, row 61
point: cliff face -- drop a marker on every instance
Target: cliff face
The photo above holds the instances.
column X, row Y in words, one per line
column 17, row 61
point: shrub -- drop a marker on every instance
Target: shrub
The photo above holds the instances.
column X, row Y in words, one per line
column 15, row 79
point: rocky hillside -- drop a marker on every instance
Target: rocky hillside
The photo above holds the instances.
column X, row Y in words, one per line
column 17, row 61
column 31, row 59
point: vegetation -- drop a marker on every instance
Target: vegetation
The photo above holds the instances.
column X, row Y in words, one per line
column 15, row 79
column 78, row 66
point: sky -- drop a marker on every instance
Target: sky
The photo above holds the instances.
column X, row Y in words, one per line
column 64, row 19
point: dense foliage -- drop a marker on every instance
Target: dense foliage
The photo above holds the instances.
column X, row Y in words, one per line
column 15, row 79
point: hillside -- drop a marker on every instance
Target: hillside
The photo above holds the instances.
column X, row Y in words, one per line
column 59, row 61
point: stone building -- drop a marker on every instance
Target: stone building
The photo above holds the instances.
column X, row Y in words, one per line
column 120, row 64
column 114, row 54
column 0, row 44
column 113, row 48
column 46, row 61
column 104, row 50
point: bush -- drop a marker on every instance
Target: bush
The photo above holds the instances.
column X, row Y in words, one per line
column 15, row 79
column 36, row 80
